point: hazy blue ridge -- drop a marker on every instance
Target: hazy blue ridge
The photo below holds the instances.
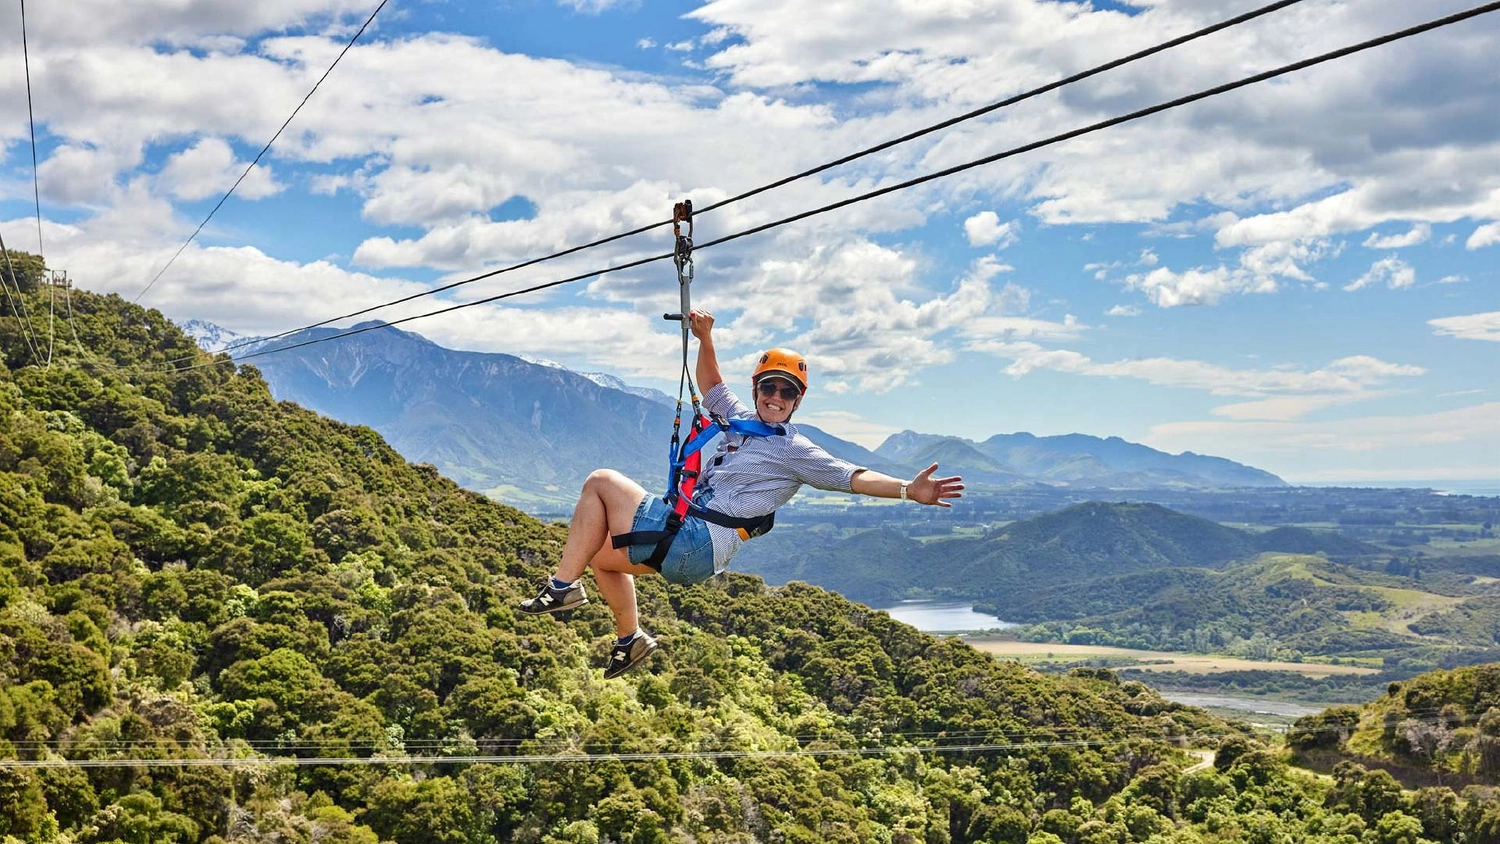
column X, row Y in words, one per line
column 529, row 431
column 956, row 455
column 485, row 419
column 1087, row 461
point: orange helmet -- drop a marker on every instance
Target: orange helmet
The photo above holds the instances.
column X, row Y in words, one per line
column 784, row 362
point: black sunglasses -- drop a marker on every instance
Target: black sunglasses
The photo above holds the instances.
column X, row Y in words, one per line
column 768, row 388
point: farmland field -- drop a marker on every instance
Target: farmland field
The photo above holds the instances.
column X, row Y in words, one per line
column 1029, row 652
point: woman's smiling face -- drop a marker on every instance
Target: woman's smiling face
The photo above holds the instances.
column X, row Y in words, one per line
column 776, row 398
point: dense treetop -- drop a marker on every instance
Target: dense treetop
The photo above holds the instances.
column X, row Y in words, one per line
column 191, row 570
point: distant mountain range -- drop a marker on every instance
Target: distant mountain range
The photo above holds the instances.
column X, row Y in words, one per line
column 528, row 432
column 1073, row 460
column 525, row 432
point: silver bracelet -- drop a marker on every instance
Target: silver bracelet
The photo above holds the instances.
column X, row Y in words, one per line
column 903, row 491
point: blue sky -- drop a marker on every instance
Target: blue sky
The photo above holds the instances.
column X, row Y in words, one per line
column 1299, row 276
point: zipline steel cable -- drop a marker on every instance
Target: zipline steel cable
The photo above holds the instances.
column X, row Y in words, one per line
column 262, row 152
column 36, row 194
column 1217, row 90
column 956, row 736
column 574, row 755
column 36, row 188
column 1428, row 716
column 22, row 314
column 911, row 136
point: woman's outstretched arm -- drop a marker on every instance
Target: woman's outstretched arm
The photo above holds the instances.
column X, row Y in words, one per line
column 924, row 488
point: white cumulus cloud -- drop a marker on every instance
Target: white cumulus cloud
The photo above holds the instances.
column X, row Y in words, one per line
column 1484, row 326
column 218, row 25
column 985, row 229
column 209, row 168
column 1418, row 234
column 591, row 7
column 1486, row 235
column 1280, row 393
column 1168, row 288
column 1392, row 271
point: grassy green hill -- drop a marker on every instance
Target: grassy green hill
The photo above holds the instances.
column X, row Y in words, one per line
column 1144, row 576
column 1096, row 540
column 1442, row 726
column 1276, row 606
column 1004, row 570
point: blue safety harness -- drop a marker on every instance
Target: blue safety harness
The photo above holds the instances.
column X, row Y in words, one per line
column 685, row 458
column 685, row 465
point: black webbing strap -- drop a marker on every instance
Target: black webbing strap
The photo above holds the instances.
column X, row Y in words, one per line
column 749, row 528
column 662, row 539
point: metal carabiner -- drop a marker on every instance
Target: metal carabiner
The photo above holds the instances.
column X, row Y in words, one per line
column 682, row 256
column 683, row 251
column 682, row 212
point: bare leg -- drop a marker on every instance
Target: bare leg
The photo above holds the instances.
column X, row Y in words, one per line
column 615, row 576
column 606, row 506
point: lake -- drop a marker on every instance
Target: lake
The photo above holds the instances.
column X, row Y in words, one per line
column 944, row 616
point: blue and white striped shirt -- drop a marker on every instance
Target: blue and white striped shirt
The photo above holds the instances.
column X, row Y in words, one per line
column 752, row 476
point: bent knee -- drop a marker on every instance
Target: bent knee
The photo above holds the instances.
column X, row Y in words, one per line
column 603, row 478
column 620, row 494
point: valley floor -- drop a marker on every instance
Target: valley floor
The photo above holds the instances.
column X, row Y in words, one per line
column 1029, row 652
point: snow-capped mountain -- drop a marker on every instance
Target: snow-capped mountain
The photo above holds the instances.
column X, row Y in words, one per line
column 604, row 379
column 215, row 338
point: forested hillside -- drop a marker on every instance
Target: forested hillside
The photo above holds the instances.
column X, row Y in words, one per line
column 193, row 573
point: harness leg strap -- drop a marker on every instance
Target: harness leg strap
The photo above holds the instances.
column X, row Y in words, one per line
column 662, row 539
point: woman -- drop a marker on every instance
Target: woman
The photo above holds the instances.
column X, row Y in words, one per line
column 748, row 477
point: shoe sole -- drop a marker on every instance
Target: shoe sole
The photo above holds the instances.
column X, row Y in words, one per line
column 651, row 649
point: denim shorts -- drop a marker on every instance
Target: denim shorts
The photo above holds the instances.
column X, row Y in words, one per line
column 690, row 558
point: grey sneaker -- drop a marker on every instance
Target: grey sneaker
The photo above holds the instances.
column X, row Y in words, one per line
column 555, row 600
column 622, row 658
